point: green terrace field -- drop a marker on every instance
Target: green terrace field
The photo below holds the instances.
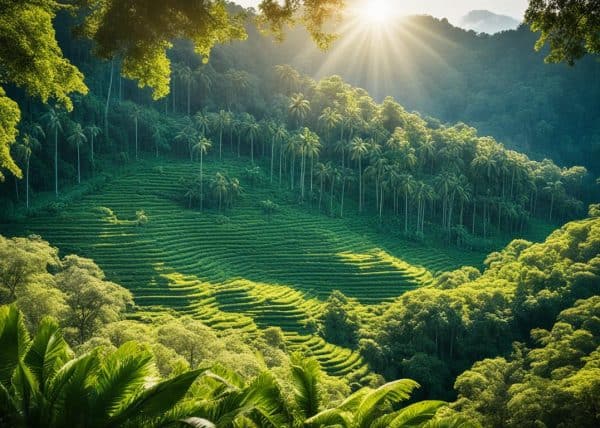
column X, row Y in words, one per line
column 239, row 269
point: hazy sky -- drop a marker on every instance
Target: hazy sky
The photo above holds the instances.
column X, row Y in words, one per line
column 451, row 9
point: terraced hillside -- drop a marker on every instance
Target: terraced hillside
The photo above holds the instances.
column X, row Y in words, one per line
column 239, row 269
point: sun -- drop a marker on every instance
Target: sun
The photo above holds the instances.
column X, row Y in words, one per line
column 375, row 12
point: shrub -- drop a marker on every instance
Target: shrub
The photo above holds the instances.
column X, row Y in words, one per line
column 141, row 218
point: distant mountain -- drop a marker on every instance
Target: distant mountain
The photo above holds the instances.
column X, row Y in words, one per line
column 484, row 21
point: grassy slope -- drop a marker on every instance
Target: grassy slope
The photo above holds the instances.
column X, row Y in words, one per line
column 247, row 272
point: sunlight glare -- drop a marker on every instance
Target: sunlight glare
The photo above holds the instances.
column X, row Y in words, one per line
column 376, row 12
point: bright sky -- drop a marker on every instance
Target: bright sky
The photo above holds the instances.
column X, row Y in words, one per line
column 451, row 9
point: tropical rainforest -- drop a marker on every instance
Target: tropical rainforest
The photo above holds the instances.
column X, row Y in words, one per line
column 291, row 216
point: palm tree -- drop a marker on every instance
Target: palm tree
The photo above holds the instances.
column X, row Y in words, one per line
column 158, row 136
column 135, row 113
column 367, row 408
column 280, row 134
column 347, row 176
column 330, row 118
column 186, row 76
column 25, row 147
column 220, row 187
column 322, row 171
column 53, row 121
column 334, row 177
column 424, row 193
column 555, row 189
column 407, row 184
column 202, row 122
column 202, row 147
column 43, row 384
column 358, row 149
column 189, row 136
column 298, row 108
column 252, row 130
column 93, row 131
column 77, row 138
column 289, row 76
column 221, row 120
column 308, row 145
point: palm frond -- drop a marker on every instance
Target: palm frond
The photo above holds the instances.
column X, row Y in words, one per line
column 306, row 375
column 157, row 400
column 416, row 414
column 390, row 393
column 14, row 340
column 47, row 353
column 121, row 375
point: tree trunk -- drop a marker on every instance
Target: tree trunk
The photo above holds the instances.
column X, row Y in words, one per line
column 27, row 183
column 360, row 184
column 92, row 148
column 201, row 182
column 272, row 156
column 78, row 166
column 406, row 212
column 110, row 83
column 56, row 161
column 136, row 138
column 342, row 200
column 220, row 142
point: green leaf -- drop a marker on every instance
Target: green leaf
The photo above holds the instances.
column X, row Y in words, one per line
column 416, row 414
column 158, row 399
column 390, row 393
column 121, row 376
column 306, row 375
column 47, row 353
column 14, row 340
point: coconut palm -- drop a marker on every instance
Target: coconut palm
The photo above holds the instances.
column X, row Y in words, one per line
column 187, row 78
column 308, row 146
column 77, row 138
column 347, row 176
column 252, row 131
column 407, row 185
column 43, row 384
column 329, row 118
column 367, row 407
column 298, row 108
column 202, row 122
column 321, row 171
column 25, row 147
column 134, row 114
column 289, row 76
column 280, row 134
column 358, row 149
column 424, row 193
column 220, row 121
column 334, row 177
column 188, row 135
column 53, row 119
column 93, row 131
column 555, row 189
column 202, row 147
column 220, row 187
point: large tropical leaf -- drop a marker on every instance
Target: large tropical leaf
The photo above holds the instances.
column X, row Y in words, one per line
column 198, row 423
column 47, row 353
column 156, row 400
column 388, row 394
column 9, row 413
column 14, row 341
column 306, row 375
column 330, row 418
column 415, row 414
column 452, row 422
column 120, row 377
column 27, row 392
column 69, row 392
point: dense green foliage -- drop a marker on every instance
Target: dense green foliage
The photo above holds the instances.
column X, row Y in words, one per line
column 569, row 27
column 435, row 333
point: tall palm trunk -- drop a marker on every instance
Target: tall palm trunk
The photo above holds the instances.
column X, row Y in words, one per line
column 342, row 198
column 27, row 183
column 136, row 138
column 56, row 161
column 110, row 84
column 359, row 184
column 220, row 142
column 78, row 166
column 280, row 162
column 331, row 198
column 201, row 182
column 321, row 193
column 272, row 156
column 406, row 211
column 92, row 149
column 189, row 83
column 252, row 149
